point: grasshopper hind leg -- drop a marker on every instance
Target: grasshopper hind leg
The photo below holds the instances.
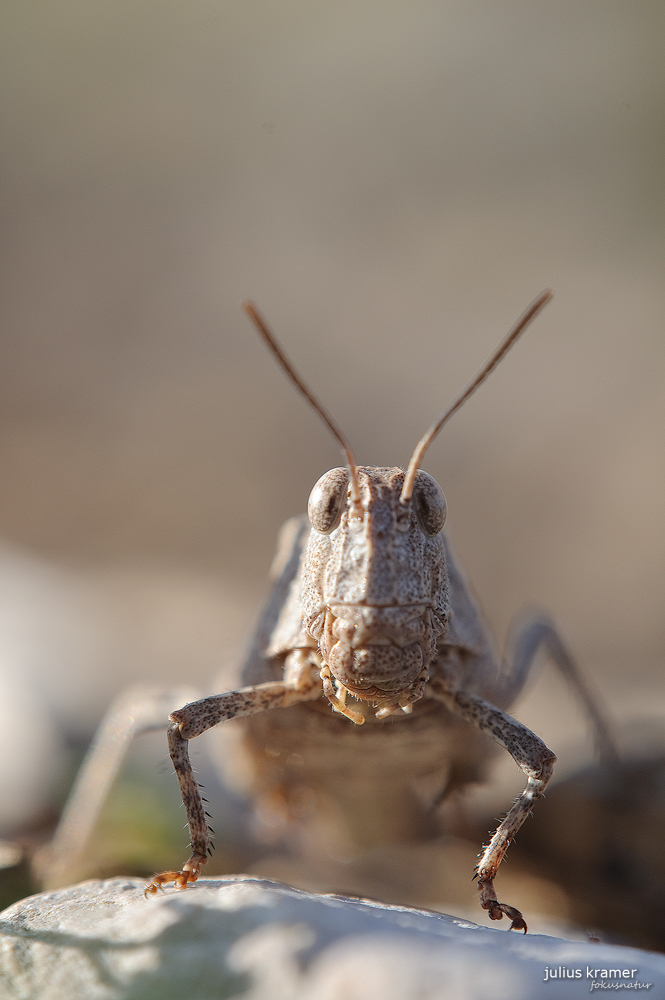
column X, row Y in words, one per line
column 530, row 635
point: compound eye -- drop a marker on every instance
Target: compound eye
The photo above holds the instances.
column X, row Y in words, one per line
column 429, row 504
column 326, row 501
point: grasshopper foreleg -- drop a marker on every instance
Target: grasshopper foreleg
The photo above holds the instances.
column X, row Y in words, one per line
column 531, row 755
column 138, row 710
column 199, row 716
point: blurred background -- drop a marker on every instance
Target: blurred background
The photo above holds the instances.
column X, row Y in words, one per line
column 392, row 183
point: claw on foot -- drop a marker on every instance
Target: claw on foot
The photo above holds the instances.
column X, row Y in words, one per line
column 179, row 879
column 497, row 910
column 190, row 872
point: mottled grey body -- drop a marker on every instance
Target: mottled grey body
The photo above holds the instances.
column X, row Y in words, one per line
column 368, row 604
column 309, row 745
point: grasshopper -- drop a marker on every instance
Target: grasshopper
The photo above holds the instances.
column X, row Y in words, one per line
column 376, row 655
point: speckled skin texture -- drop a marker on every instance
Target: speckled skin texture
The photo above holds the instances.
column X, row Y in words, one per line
column 373, row 621
column 374, row 592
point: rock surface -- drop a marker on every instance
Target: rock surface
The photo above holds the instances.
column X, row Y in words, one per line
column 244, row 937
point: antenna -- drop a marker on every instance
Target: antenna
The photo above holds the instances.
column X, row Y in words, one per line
column 485, row 371
column 270, row 340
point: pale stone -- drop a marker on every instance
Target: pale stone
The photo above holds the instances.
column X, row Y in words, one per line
column 251, row 938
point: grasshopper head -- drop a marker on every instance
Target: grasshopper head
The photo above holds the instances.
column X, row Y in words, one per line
column 374, row 588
